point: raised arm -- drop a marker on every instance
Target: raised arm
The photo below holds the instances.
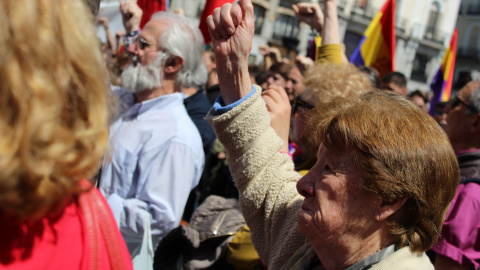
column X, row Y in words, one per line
column 330, row 33
column 232, row 28
column 103, row 21
column 131, row 15
column 311, row 14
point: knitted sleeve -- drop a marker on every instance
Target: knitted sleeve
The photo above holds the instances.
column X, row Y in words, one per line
column 265, row 178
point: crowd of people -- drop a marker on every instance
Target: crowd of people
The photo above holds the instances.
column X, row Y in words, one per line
column 156, row 151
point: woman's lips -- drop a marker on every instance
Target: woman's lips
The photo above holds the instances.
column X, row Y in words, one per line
column 305, row 207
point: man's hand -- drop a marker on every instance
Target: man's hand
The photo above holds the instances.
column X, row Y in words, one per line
column 311, row 14
column 231, row 28
column 131, row 15
column 279, row 108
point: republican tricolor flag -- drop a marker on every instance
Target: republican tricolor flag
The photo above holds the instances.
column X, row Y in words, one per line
column 442, row 82
column 377, row 47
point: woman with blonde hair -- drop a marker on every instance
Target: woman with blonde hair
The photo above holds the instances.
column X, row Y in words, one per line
column 323, row 82
column 54, row 131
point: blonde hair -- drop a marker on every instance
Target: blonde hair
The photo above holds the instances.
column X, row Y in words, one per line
column 53, row 105
column 401, row 153
column 325, row 81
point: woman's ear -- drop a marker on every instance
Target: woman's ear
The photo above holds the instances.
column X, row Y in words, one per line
column 173, row 64
column 387, row 209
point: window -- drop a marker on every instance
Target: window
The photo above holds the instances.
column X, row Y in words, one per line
column 474, row 35
column 287, row 3
column 259, row 16
column 351, row 41
column 285, row 26
column 431, row 30
column 419, row 70
column 473, row 8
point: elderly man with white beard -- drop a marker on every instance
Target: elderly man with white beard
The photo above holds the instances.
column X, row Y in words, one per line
column 156, row 151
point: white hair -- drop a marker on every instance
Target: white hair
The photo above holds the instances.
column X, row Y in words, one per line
column 183, row 39
column 136, row 78
column 475, row 99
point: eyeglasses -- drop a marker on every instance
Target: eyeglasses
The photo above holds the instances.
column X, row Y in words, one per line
column 457, row 101
column 300, row 103
column 139, row 41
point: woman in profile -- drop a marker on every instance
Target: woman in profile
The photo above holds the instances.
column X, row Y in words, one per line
column 53, row 134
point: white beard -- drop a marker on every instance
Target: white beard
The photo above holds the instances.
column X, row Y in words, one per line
column 138, row 78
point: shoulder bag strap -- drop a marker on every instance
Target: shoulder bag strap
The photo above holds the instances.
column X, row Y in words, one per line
column 99, row 220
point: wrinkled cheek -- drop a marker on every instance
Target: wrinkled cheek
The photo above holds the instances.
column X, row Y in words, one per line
column 305, row 224
column 331, row 220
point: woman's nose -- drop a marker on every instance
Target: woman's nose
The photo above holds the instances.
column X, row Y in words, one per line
column 305, row 186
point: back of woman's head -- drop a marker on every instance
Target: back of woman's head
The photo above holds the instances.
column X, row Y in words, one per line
column 53, row 104
column 325, row 81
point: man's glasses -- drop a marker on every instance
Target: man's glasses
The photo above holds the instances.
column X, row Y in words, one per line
column 142, row 43
column 300, row 103
column 457, row 101
column 139, row 41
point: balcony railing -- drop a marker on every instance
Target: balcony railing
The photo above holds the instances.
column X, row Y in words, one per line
column 367, row 10
column 421, row 32
column 401, row 24
column 342, row 4
column 435, row 36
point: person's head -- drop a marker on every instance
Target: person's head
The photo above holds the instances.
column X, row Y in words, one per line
column 208, row 58
column 396, row 82
column 440, row 116
column 169, row 48
column 385, row 170
column 372, row 76
column 463, row 118
column 279, row 74
column 420, row 98
column 261, row 78
column 53, row 110
column 323, row 82
column 294, row 85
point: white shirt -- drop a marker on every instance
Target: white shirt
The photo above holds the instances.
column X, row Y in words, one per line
column 156, row 160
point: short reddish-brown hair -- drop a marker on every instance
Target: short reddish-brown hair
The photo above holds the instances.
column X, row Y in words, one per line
column 401, row 152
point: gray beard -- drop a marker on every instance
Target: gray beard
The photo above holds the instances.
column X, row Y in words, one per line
column 138, row 78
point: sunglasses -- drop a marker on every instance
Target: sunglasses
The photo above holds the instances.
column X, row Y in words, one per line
column 300, row 103
column 457, row 101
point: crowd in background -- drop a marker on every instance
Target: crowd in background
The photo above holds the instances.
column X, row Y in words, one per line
column 391, row 174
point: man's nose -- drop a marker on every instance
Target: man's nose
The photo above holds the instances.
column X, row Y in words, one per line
column 132, row 48
column 289, row 83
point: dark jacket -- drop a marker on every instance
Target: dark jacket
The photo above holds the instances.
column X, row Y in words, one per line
column 197, row 106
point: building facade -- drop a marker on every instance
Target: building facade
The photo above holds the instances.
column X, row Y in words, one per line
column 467, row 64
column 423, row 32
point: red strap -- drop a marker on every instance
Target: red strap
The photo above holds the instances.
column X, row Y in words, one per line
column 98, row 220
column 92, row 232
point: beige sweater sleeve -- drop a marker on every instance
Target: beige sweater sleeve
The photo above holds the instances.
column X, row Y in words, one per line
column 265, row 178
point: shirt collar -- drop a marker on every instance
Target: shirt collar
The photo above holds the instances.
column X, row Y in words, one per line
column 133, row 110
column 373, row 259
